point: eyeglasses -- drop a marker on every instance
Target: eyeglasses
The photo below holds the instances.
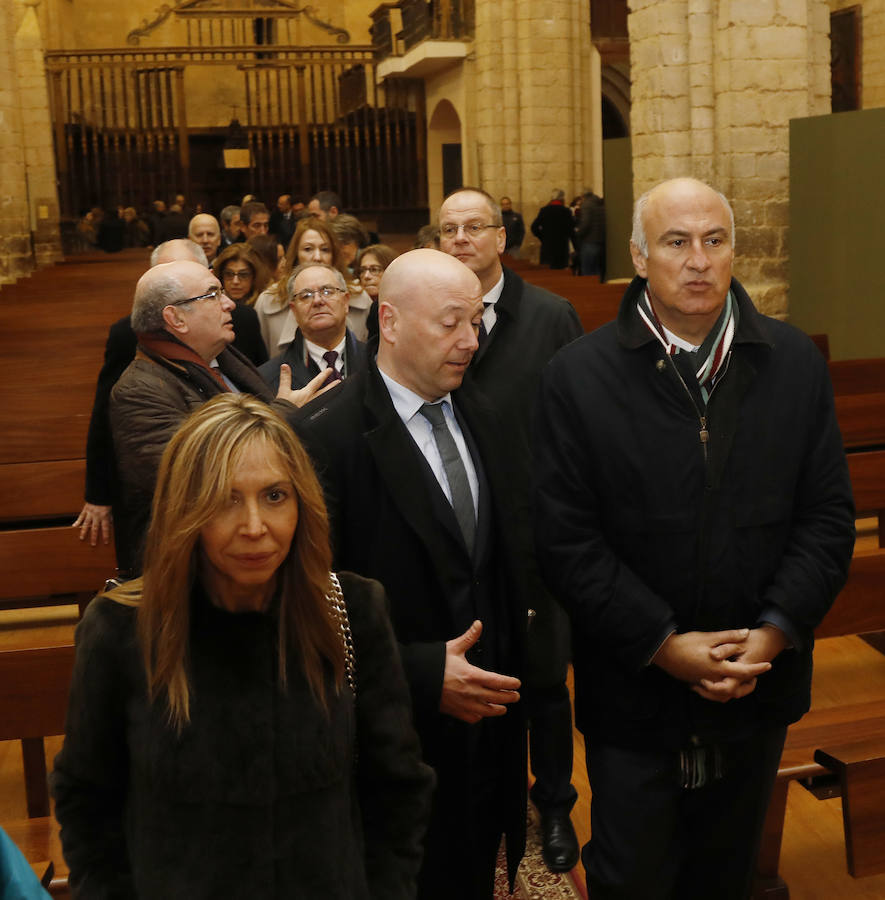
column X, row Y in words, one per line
column 215, row 294
column 471, row 229
column 327, row 291
column 242, row 275
column 370, row 270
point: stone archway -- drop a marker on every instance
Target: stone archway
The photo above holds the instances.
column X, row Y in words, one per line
column 443, row 149
column 615, row 84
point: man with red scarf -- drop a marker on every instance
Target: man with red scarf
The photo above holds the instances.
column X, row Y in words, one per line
column 182, row 319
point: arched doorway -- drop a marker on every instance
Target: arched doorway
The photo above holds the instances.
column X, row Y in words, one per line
column 443, row 153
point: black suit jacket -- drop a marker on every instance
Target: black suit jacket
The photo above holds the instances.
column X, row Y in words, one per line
column 389, row 521
column 282, row 227
column 532, row 325
column 354, row 361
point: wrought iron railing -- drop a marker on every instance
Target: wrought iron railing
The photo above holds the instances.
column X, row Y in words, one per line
column 315, row 118
column 440, row 20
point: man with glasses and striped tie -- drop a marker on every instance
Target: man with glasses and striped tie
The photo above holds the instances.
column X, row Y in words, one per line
column 318, row 299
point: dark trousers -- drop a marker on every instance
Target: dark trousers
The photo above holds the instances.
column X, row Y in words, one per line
column 466, row 825
column 592, row 259
column 551, row 746
column 654, row 840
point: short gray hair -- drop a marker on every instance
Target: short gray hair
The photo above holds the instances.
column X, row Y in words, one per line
column 151, row 298
column 639, row 238
column 229, row 213
column 181, row 248
column 290, row 281
column 558, row 194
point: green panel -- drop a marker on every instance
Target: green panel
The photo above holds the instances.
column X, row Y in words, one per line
column 617, row 164
column 837, row 227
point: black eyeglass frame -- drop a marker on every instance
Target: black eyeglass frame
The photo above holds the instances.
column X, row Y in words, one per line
column 214, row 294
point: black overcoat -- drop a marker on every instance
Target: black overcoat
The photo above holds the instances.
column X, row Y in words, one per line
column 387, row 525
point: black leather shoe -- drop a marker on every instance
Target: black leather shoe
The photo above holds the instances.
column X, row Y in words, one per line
column 559, row 843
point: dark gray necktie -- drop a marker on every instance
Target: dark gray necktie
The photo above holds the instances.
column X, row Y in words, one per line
column 456, row 474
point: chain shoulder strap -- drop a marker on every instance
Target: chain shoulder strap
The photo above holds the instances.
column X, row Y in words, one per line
column 338, row 612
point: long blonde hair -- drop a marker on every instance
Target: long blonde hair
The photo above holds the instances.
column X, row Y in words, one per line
column 192, row 485
column 308, row 223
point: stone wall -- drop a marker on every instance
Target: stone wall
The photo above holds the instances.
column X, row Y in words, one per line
column 16, row 258
column 715, row 84
column 39, row 152
column 536, row 101
column 29, row 227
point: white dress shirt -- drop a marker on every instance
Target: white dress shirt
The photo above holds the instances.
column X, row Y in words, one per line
column 489, row 316
column 408, row 407
column 315, row 352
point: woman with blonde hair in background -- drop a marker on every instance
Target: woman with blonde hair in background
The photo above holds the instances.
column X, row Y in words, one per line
column 239, row 723
column 313, row 241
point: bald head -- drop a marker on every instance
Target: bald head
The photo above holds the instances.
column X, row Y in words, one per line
column 412, row 275
column 178, row 249
column 205, row 231
column 430, row 308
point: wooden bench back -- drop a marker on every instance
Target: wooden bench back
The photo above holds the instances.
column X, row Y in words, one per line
column 52, row 489
column 34, row 684
column 51, row 562
column 860, row 606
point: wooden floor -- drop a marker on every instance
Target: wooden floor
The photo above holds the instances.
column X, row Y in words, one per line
column 51, row 343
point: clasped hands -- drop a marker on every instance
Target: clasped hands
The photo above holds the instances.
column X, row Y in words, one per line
column 470, row 693
column 721, row 665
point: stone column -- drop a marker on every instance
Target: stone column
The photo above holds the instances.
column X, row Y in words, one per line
column 715, row 84
column 40, row 173
column 16, row 258
column 536, row 107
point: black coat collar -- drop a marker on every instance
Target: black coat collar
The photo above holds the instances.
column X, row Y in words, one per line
column 633, row 333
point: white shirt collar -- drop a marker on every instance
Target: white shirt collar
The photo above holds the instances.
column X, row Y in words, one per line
column 677, row 341
column 405, row 401
column 495, row 293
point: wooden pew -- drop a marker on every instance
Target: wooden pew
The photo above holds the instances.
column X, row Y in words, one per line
column 34, row 491
column 867, row 471
column 595, row 303
column 35, row 674
column 859, row 388
column 51, row 565
column 851, row 735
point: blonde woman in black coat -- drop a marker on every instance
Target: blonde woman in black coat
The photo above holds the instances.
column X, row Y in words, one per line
column 239, row 723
